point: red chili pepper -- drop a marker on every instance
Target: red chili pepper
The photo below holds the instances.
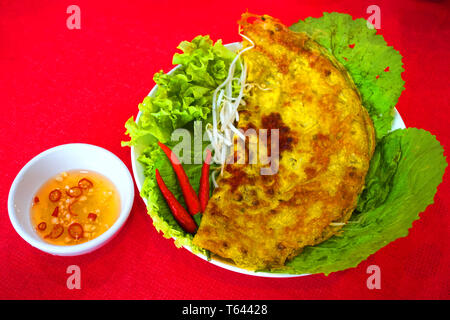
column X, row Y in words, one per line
column 69, row 207
column 42, row 226
column 85, row 183
column 55, row 212
column 55, row 195
column 190, row 197
column 75, row 230
column 203, row 191
column 92, row 216
column 74, row 192
column 180, row 214
column 56, row 232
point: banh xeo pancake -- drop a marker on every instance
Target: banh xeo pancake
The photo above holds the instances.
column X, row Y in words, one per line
column 326, row 141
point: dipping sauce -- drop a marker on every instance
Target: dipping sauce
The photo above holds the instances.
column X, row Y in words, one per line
column 74, row 207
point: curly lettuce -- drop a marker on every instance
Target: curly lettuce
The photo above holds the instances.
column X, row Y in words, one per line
column 184, row 95
column 181, row 98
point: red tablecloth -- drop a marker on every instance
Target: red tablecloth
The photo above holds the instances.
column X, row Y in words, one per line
column 60, row 86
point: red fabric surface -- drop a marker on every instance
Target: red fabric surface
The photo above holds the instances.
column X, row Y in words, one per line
column 60, row 86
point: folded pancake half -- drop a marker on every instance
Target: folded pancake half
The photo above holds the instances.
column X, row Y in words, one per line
column 326, row 141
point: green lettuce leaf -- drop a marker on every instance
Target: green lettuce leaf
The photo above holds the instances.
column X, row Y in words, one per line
column 379, row 178
column 152, row 157
column 374, row 66
column 419, row 166
column 184, row 95
column 181, row 98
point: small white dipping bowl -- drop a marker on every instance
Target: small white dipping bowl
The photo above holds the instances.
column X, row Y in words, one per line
column 40, row 169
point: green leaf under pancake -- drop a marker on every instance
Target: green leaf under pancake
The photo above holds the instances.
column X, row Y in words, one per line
column 154, row 158
column 366, row 56
column 420, row 165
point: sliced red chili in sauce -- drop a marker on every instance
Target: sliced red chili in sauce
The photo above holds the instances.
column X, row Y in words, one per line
column 56, row 232
column 69, row 207
column 55, row 212
column 42, row 226
column 36, row 199
column 85, row 183
column 92, row 216
column 74, row 192
column 75, row 231
column 55, row 195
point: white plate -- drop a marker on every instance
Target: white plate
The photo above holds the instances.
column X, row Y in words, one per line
column 139, row 177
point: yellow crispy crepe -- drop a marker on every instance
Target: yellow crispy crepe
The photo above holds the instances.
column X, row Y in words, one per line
column 326, row 140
